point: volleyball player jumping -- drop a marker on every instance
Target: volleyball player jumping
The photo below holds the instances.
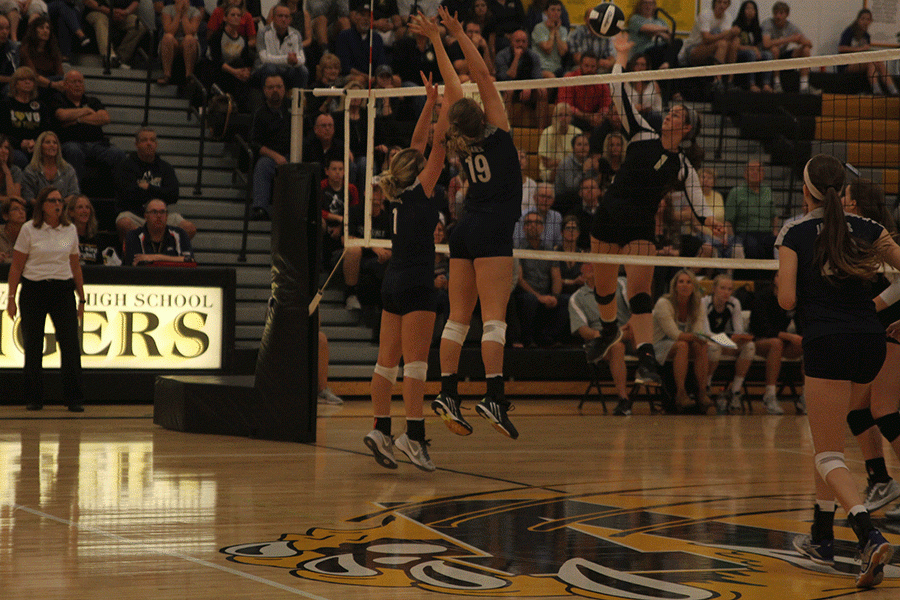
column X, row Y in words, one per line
column 481, row 262
column 826, row 263
column 625, row 220
column 408, row 293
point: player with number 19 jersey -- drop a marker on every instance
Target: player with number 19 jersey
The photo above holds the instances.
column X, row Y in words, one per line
column 495, row 176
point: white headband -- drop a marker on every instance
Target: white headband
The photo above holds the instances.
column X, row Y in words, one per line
column 813, row 190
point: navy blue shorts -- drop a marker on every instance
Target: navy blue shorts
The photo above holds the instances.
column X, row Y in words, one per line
column 482, row 235
column 401, row 294
column 622, row 224
column 827, row 357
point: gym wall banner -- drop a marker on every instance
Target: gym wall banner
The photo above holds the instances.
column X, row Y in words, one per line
column 130, row 326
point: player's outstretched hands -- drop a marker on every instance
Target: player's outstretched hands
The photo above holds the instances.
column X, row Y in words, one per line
column 431, row 91
column 422, row 25
column 454, row 27
column 622, row 43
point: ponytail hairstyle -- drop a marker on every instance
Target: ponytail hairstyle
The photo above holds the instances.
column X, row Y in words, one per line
column 838, row 254
column 468, row 125
column 402, row 173
column 693, row 152
column 869, row 198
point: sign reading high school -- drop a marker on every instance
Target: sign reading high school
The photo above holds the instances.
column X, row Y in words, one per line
column 137, row 326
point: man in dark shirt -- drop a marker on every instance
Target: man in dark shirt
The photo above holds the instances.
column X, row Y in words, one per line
column 270, row 135
column 9, row 54
column 352, row 45
column 143, row 176
column 155, row 241
column 323, row 146
column 80, row 120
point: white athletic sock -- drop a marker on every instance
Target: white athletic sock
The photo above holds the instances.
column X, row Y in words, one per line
column 859, row 508
column 771, row 391
column 737, row 385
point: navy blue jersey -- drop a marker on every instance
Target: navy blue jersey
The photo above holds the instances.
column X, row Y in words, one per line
column 826, row 308
column 649, row 171
column 495, row 176
column 414, row 218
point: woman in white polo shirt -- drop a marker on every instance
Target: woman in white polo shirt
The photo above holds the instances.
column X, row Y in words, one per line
column 46, row 261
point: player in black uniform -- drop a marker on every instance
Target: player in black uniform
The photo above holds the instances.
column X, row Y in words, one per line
column 481, row 262
column 408, row 295
column 625, row 220
column 879, row 417
column 827, row 261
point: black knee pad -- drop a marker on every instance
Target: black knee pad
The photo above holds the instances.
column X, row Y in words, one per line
column 601, row 300
column 860, row 420
column 641, row 304
column 889, row 426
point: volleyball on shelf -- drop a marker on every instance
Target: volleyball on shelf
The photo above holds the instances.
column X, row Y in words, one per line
column 606, row 19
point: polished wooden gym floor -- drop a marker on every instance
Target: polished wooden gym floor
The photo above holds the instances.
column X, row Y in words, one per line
column 106, row 505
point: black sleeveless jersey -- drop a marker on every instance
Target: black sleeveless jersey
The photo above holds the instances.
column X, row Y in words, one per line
column 413, row 219
column 495, row 176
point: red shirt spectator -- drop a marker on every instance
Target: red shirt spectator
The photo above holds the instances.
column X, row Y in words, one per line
column 590, row 103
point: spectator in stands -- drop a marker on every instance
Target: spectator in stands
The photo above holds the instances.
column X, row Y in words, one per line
column 570, row 270
column 611, row 124
column 548, row 38
column 584, row 320
column 15, row 213
column 9, row 55
column 80, row 120
column 353, row 48
column 335, row 204
column 574, row 168
column 613, row 156
column 551, row 220
column 143, row 176
column 713, row 40
column 652, row 36
column 47, row 168
column 481, row 14
column 231, row 58
column 270, row 136
column 322, row 146
column 67, row 18
column 856, row 38
column 538, row 12
column 590, row 103
column 725, row 245
column 785, row 40
column 582, row 39
column 647, row 94
column 556, row 141
column 10, row 174
column 364, row 268
column 40, row 51
column 538, row 289
column 13, row 10
column 750, row 44
column 770, row 325
column 155, row 241
column 413, row 54
column 123, row 16
column 180, row 23
column 441, row 282
column 473, row 31
column 751, row 213
column 529, row 185
column 517, row 62
column 508, row 15
column 678, row 325
column 279, row 50
column 386, row 21
column 329, row 19
column 723, row 315
column 92, row 245
column 246, row 27
column 328, row 75
column 589, row 194
column 356, row 121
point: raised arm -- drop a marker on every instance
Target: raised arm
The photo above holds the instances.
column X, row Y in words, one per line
column 423, row 125
column 478, row 71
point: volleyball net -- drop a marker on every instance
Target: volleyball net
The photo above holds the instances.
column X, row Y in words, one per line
column 754, row 145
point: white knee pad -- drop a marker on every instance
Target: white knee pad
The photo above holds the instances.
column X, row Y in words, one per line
column 389, row 373
column 416, row 370
column 455, row 332
column 494, row 331
column 826, row 462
